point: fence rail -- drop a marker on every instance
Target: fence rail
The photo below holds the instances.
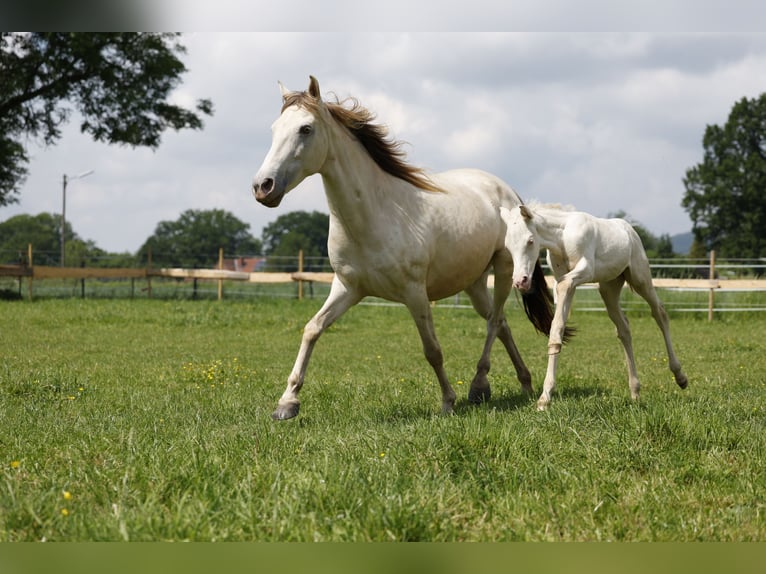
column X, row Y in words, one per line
column 44, row 272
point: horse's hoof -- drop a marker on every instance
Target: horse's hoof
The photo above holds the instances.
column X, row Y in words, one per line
column 542, row 405
column 682, row 381
column 527, row 389
column 478, row 396
column 287, row 411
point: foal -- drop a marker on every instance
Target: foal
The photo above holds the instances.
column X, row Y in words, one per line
column 584, row 249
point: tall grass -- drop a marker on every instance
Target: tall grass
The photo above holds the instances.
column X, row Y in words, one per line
column 150, row 420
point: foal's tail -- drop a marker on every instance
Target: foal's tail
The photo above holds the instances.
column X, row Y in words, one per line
column 539, row 306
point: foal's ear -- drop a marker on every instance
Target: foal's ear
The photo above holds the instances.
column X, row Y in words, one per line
column 314, row 88
column 525, row 213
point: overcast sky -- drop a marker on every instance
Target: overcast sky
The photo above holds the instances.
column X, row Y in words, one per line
column 603, row 121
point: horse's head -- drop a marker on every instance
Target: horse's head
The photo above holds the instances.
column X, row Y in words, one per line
column 298, row 145
column 522, row 242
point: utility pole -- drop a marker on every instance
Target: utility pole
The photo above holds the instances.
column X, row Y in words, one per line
column 64, row 181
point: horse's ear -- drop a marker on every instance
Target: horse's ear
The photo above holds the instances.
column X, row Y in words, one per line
column 284, row 91
column 525, row 213
column 314, row 88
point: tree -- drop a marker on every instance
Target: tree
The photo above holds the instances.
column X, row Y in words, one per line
column 43, row 231
column 296, row 231
column 119, row 82
column 193, row 240
column 726, row 193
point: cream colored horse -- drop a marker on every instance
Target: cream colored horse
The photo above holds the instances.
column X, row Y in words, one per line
column 395, row 232
column 585, row 249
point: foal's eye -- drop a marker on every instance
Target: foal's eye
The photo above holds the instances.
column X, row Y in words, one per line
column 531, row 241
column 305, row 130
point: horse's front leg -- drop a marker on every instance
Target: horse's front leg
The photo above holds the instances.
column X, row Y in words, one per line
column 338, row 302
column 420, row 309
column 565, row 294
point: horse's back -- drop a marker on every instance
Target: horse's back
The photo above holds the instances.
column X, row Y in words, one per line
column 476, row 181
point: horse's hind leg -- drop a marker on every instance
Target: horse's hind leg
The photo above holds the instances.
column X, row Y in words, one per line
column 420, row 309
column 497, row 326
column 338, row 302
column 610, row 293
column 641, row 282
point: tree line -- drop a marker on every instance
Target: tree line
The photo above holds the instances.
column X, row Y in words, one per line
column 192, row 240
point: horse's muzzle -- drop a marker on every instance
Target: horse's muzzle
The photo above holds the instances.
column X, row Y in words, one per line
column 266, row 193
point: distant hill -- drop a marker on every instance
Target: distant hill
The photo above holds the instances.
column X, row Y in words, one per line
column 682, row 243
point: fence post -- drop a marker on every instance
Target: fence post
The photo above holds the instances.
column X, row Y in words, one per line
column 220, row 267
column 711, row 295
column 149, row 272
column 300, row 270
column 82, row 281
column 31, row 269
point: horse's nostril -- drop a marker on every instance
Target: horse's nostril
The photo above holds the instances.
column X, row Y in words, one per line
column 267, row 185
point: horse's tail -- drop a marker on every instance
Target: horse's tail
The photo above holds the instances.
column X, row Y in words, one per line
column 539, row 306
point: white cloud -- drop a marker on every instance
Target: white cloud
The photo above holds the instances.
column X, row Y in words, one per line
column 603, row 121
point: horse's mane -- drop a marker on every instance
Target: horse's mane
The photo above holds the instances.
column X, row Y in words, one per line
column 357, row 119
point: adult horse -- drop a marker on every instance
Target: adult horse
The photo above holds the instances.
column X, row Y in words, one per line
column 585, row 249
column 395, row 232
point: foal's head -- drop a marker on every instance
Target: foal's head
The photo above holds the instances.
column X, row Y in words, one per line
column 522, row 242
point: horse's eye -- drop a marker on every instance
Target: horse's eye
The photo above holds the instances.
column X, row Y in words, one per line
column 305, row 130
column 531, row 241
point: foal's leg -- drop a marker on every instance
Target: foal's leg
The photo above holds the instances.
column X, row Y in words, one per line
column 610, row 293
column 641, row 281
column 565, row 290
column 338, row 302
column 497, row 326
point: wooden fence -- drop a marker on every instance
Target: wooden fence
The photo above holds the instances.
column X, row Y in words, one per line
column 40, row 272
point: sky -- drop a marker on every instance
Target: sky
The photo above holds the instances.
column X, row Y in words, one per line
column 604, row 121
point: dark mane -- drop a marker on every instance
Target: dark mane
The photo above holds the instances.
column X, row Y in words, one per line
column 387, row 153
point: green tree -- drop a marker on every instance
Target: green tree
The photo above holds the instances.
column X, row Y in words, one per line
column 193, row 240
column 726, row 193
column 296, row 231
column 119, row 82
column 43, row 231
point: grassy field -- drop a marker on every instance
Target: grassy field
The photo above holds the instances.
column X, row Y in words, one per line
column 150, row 420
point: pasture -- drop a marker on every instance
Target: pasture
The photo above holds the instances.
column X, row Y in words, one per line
column 151, row 420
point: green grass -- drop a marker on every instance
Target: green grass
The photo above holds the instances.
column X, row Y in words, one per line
column 150, row 420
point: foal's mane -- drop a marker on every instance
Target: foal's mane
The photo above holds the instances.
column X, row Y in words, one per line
column 537, row 205
column 358, row 120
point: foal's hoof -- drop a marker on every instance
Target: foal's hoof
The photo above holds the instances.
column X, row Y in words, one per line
column 478, row 396
column 286, row 411
column 682, row 381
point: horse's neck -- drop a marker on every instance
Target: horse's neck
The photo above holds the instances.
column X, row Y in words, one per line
column 550, row 223
column 358, row 190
